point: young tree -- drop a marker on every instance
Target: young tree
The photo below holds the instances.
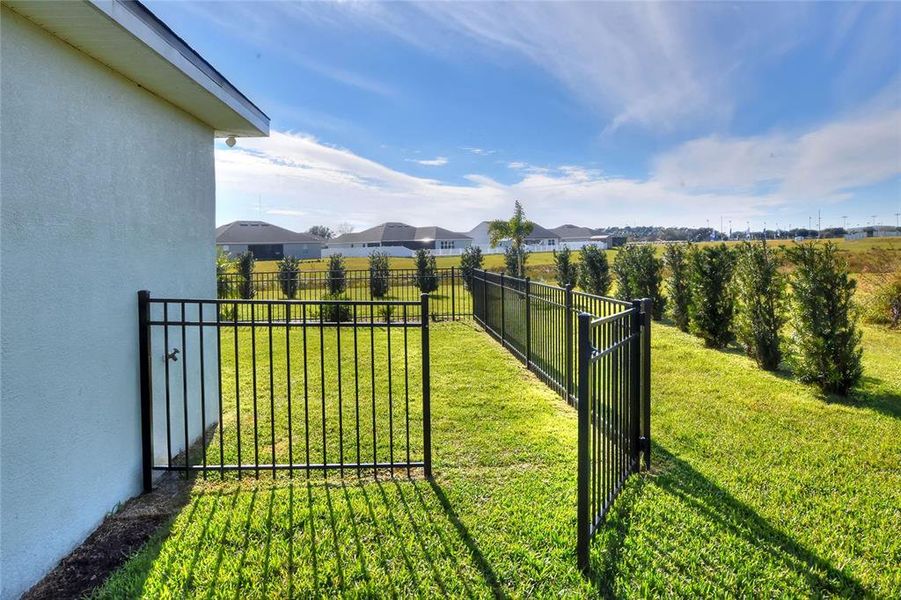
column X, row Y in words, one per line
column 515, row 260
column 336, row 282
column 470, row 261
column 676, row 257
column 759, row 303
column 516, row 229
column 289, row 276
column 825, row 341
column 712, row 304
column 321, row 231
column 594, row 271
column 378, row 274
column 426, row 277
column 224, row 267
column 246, row 263
column 638, row 274
column 566, row 268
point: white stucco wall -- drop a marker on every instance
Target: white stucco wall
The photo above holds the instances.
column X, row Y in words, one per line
column 106, row 189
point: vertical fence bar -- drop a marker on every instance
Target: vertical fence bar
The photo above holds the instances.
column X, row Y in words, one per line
column 648, row 306
column 583, row 518
column 453, row 287
column 635, row 372
column 568, row 368
column 146, row 389
column 426, row 390
column 528, row 323
column 503, row 313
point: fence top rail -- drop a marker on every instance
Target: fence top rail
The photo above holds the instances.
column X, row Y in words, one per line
column 348, row 272
column 614, row 317
column 233, row 301
column 496, row 277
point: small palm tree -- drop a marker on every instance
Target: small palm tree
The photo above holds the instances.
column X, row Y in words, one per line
column 516, row 230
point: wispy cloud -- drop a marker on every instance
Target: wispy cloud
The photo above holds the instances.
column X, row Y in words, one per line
column 478, row 151
column 438, row 161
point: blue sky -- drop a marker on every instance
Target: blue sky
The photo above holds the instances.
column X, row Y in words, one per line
column 589, row 113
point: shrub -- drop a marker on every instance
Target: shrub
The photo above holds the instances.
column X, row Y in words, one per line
column 224, row 266
column 594, row 271
column 336, row 274
column 426, row 278
column 335, row 313
column 514, row 258
column 566, row 268
column 676, row 257
column 825, row 341
column 470, row 261
column 289, row 276
column 246, row 263
column 711, row 295
column 759, row 303
column 638, row 274
column 378, row 274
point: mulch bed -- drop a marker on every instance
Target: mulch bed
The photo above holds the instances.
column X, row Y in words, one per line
column 119, row 536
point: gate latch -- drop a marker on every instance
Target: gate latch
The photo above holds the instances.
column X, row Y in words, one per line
column 173, row 356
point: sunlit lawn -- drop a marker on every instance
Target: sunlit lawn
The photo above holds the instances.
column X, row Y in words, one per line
column 760, row 488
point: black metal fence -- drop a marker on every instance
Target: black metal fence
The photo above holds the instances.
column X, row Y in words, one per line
column 236, row 387
column 595, row 352
column 448, row 299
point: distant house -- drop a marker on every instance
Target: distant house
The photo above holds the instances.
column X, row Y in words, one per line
column 859, row 233
column 107, row 134
column 540, row 240
column 575, row 237
column 267, row 241
column 398, row 239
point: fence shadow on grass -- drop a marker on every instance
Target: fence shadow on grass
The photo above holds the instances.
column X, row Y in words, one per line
column 685, row 485
column 303, row 538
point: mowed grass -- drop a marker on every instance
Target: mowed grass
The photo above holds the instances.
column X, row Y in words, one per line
column 759, row 488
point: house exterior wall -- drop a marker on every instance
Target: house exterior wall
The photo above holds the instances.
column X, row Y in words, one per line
column 107, row 189
column 304, row 251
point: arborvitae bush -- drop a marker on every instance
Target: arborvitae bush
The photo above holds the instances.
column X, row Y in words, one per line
column 246, row 263
column 224, row 265
column 759, row 302
column 470, row 260
column 566, row 268
column 289, row 276
column 378, row 274
column 712, row 304
column 594, row 271
column 513, row 258
column 335, row 313
column 825, row 341
column 426, row 277
column 883, row 305
column 336, row 273
column 638, row 274
column 677, row 258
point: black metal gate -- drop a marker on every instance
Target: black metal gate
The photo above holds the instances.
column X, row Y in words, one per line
column 237, row 387
column 595, row 352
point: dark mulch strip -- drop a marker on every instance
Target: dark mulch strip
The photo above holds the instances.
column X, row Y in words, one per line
column 114, row 542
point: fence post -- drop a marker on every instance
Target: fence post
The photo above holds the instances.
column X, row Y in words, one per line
column 583, row 475
column 453, row 294
column 528, row 323
column 426, row 389
column 144, row 358
column 485, row 299
column 635, row 383
column 568, row 328
column 503, row 314
column 648, row 306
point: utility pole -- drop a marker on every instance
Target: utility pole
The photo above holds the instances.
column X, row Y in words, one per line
column 845, row 222
column 874, row 220
column 898, row 219
column 819, row 224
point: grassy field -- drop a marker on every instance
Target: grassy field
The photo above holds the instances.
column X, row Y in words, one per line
column 759, row 488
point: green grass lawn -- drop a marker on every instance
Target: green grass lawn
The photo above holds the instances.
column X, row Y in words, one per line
column 759, row 488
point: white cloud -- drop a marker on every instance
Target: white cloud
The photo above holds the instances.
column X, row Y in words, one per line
column 820, row 163
column 438, row 161
column 478, row 151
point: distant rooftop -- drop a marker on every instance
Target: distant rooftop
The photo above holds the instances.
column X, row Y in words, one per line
column 398, row 232
column 260, row 232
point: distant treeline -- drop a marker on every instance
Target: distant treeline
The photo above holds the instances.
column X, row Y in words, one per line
column 702, row 234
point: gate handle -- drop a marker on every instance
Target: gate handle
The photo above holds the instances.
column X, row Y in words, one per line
column 173, row 356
